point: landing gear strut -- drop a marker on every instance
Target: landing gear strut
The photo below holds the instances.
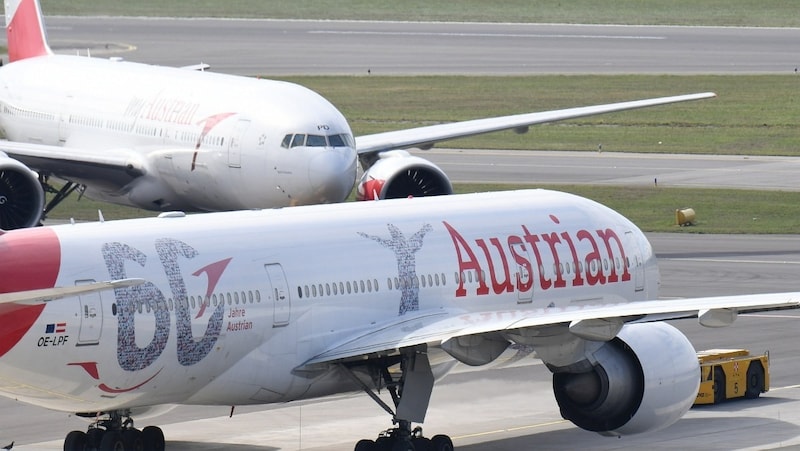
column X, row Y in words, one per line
column 115, row 432
column 410, row 392
column 59, row 194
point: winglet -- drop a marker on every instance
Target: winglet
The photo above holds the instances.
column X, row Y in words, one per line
column 25, row 30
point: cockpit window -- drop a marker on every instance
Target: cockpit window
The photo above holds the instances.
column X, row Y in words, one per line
column 316, row 141
column 336, row 141
column 299, row 140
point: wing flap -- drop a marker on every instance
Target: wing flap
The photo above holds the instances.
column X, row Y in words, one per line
column 51, row 294
column 426, row 136
column 436, row 328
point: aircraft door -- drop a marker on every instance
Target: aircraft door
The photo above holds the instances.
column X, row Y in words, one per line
column 637, row 260
column 279, row 293
column 63, row 120
column 524, row 274
column 91, row 316
column 235, row 146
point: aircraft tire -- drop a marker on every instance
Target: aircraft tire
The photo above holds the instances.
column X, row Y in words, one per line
column 112, row 441
column 132, row 438
column 75, row 441
column 441, row 443
column 153, row 438
column 366, row 445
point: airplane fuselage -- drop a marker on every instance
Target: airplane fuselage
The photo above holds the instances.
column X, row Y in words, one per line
column 235, row 303
column 204, row 141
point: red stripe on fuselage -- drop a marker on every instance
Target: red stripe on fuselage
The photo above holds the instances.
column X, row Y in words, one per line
column 29, row 260
column 25, row 33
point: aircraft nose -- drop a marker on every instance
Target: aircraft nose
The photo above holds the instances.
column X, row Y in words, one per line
column 332, row 173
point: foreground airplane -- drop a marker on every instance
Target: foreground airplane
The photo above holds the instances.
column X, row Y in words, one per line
column 164, row 138
column 112, row 319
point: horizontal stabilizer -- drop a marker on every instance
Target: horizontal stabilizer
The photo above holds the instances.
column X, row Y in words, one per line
column 198, row 67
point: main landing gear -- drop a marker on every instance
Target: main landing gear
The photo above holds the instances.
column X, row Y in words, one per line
column 115, row 433
column 59, row 194
column 410, row 392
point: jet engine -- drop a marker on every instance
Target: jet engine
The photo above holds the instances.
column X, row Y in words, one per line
column 398, row 174
column 21, row 195
column 643, row 380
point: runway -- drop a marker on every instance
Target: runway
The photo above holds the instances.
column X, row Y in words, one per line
column 620, row 169
column 499, row 409
column 288, row 47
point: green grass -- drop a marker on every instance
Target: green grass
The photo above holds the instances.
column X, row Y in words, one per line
column 717, row 210
column 752, row 115
column 779, row 13
column 650, row 208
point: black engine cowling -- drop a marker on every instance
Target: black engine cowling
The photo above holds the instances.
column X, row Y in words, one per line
column 21, row 195
column 398, row 174
column 643, row 380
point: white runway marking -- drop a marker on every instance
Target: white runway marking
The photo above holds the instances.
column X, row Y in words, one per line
column 486, row 35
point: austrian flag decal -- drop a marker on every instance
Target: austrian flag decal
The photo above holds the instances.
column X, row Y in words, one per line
column 57, row 328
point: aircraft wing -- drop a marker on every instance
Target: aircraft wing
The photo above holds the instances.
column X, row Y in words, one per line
column 50, row 294
column 109, row 167
column 598, row 322
column 424, row 137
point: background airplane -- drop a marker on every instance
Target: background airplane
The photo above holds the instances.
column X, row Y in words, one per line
column 257, row 307
column 164, row 138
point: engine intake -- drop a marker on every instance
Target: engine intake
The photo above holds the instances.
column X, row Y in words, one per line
column 643, row 380
column 21, row 195
column 397, row 174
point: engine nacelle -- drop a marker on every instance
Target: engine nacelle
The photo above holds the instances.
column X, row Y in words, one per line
column 398, row 174
column 644, row 380
column 21, row 195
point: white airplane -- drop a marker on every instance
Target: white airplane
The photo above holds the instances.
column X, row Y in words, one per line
column 164, row 138
column 112, row 319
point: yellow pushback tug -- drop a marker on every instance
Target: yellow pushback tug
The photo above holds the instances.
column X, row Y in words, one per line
column 731, row 373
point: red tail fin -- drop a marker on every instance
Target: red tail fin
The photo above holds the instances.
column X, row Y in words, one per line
column 25, row 30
